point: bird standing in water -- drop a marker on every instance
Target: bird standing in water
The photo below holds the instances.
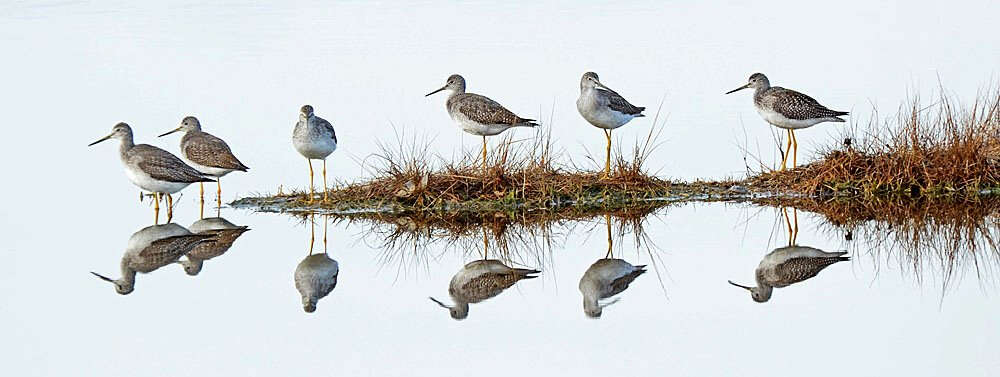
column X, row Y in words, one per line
column 604, row 109
column 315, row 139
column 787, row 109
column 207, row 153
column 479, row 115
column 153, row 169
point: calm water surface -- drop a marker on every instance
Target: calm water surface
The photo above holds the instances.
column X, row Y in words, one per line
column 74, row 69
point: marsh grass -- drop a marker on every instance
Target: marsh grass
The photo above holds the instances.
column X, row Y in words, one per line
column 939, row 149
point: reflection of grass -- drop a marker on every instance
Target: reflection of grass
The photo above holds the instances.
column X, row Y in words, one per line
column 940, row 150
column 940, row 237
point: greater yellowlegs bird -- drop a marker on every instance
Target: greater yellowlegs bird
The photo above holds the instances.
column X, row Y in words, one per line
column 481, row 280
column 207, row 153
column 477, row 114
column 789, row 265
column 605, row 109
column 315, row 139
column 787, row 109
column 605, row 278
column 153, row 169
column 225, row 233
column 151, row 248
column 316, row 275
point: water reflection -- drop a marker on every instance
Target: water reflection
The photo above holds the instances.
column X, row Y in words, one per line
column 791, row 264
column 316, row 275
column 153, row 247
column 606, row 278
column 225, row 234
column 481, row 280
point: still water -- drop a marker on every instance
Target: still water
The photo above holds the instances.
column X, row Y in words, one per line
column 71, row 70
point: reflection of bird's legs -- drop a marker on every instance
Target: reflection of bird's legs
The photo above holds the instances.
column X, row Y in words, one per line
column 312, row 232
column 607, row 220
column 218, row 191
column 201, row 192
column 788, row 225
column 326, row 220
column 607, row 154
column 486, row 245
column 795, row 235
column 170, row 208
column 324, row 181
column 312, row 189
column 201, row 210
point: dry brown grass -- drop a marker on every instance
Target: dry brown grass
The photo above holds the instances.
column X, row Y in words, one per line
column 941, row 149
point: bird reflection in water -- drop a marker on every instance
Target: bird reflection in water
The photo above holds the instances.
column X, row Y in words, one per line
column 316, row 275
column 151, row 248
column 225, row 233
column 791, row 264
column 481, row 280
column 606, row 278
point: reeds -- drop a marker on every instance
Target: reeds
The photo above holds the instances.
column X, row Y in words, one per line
column 941, row 149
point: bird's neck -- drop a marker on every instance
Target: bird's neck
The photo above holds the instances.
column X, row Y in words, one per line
column 126, row 144
column 128, row 274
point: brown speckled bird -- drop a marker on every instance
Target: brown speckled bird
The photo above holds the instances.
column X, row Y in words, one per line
column 207, row 153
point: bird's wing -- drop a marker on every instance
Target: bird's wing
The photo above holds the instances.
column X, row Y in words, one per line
column 165, row 250
column 209, row 150
column 795, row 105
column 164, row 166
column 618, row 103
column 483, row 110
column 621, row 283
column 488, row 285
column 799, row 269
column 328, row 127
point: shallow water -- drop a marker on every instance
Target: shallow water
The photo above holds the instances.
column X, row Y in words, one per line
column 73, row 69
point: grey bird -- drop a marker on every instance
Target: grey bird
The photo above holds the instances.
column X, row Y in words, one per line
column 315, row 139
column 787, row 109
column 315, row 278
column 479, row 115
column 206, row 153
column 481, row 280
column 151, row 168
column 151, row 248
column 789, row 265
column 605, row 109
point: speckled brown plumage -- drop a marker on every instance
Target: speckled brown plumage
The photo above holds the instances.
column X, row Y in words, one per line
column 490, row 284
column 799, row 269
column 205, row 149
column 162, row 165
column 792, row 104
column 483, row 110
column 166, row 250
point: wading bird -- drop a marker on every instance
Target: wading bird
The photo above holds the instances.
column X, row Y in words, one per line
column 604, row 109
column 207, row 153
column 315, row 139
column 153, row 169
column 787, row 109
column 477, row 114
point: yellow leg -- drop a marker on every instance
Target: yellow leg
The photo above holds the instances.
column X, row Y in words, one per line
column 795, row 234
column 607, row 154
column 795, row 147
column 484, row 156
column 788, row 225
column 218, row 190
column 312, row 189
column 326, row 224
column 788, row 149
column 324, row 182
column 156, row 208
column 486, row 245
column 201, row 210
column 201, row 192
